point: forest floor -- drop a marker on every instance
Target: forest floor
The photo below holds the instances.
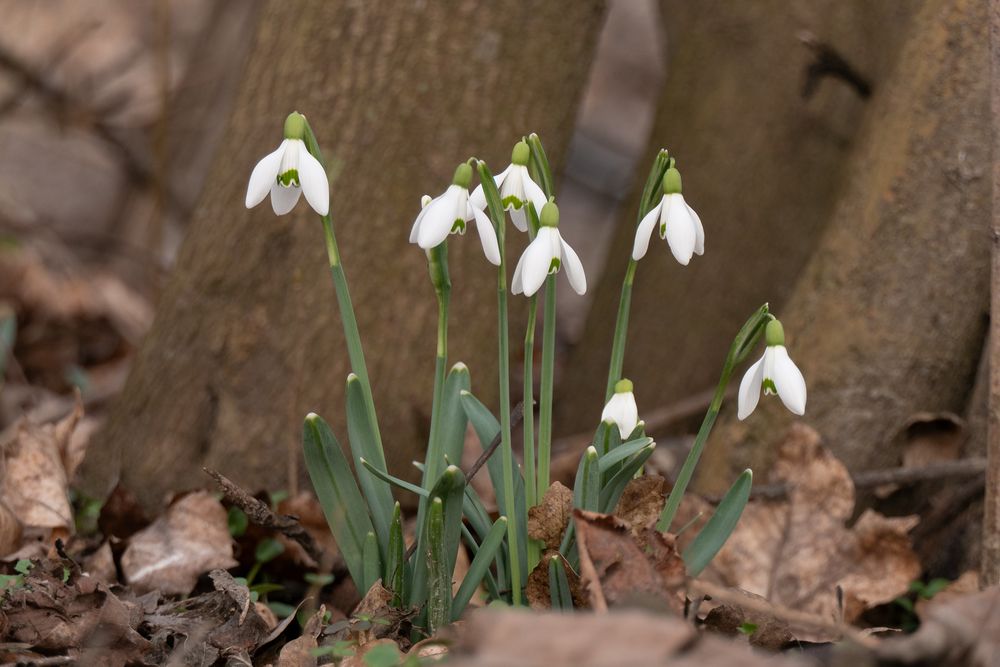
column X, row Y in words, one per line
column 811, row 576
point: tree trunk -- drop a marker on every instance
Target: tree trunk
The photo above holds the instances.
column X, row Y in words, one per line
column 762, row 165
column 246, row 339
column 890, row 315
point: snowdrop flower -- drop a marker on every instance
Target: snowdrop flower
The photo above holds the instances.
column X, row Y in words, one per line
column 448, row 213
column 621, row 409
column 678, row 223
column 516, row 188
column 776, row 373
column 289, row 172
column 545, row 255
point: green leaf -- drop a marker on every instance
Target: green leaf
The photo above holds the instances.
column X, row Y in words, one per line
column 267, row 550
column 652, row 192
column 238, row 521
column 587, row 489
column 718, row 529
column 383, row 655
column 23, row 566
column 395, row 566
column 281, row 609
column 453, row 419
column 612, row 491
column 438, row 574
column 372, row 564
column 450, row 489
column 559, row 592
column 8, row 334
column 479, row 567
column 611, row 460
column 401, row 483
column 338, row 493
column 541, row 171
column 748, row 628
column 318, row 579
column 365, row 444
column 265, row 588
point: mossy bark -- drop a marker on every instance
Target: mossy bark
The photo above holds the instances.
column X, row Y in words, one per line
column 247, row 338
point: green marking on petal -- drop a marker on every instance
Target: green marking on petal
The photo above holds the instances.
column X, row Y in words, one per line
column 289, row 178
column 512, row 201
column 769, row 387
column 458, row 227
column 554, row 266
column 663, row 230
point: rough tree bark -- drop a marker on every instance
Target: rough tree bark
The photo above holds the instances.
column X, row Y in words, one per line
column 762, row 165
column 247, row 339
column 890, row 315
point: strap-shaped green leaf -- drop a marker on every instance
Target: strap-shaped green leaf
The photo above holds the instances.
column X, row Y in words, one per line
column 559, row 593
column 395, row 576
column 372, row 563
column 612, row 491
column 338, row 493
column 587, row 489
column 391, row 479
column 365, row 444
column 479, row 567
column 450, row 490
column 718, row 529
column 438, row 574
column 611, row 460
column 453, row 418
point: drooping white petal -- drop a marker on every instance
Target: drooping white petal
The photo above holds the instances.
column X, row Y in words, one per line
column 515, row 283
column 769, row 371
column 315, row 184
column 788, row 381
column 644, row 231
column 574, row 268
column 478, row 197
column 538, row 258
column 519, row 218
column 438, row 219
column 622, row 410
column 699, row 233
column 415, row 230
column 264, row 175
column 512, row 185
column 749, row 393
column 284, row 199
column 533, row 192
column 680, row 232
column 488, row 237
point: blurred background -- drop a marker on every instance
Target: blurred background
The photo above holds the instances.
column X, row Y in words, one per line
column 838, row 153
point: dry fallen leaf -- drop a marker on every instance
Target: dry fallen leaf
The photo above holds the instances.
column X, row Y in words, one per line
column 617, row 569
column 500, row 638
column 34, row 480
column 642, row 501
column 963, row 632
column 768, row 632
column 547, row 521
column 189, row 539
column 796, row 552
column 299, row 651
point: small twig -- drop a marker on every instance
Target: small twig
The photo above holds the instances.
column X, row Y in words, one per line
column 780, row 612
column 827, row 62
column 868, row 479
column 262, row 515
column 515, row 418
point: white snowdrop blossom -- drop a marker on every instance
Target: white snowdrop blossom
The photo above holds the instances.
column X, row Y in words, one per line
column 289, row 172
column 449, row 212
column 621, row 409
column 776, row 373
column 516, row 188
column 545, row 255
column 677, row 222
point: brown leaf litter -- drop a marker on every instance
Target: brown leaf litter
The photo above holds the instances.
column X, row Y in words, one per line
column 798, row 552
column 547, row 521
column 190, row 538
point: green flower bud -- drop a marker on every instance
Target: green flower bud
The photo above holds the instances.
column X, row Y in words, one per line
column 623, row 386
column 463, row 176
column 295, row 126
column 774, row 333
column 549, row 216
column 520, row 154
column 672, row 182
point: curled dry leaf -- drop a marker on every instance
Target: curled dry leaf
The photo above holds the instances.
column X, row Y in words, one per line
column 299, row 651
column 547, row 521
column 768, row 632
column 35, row 486
column 796, row 552
column 618, row 568
column 189, row 539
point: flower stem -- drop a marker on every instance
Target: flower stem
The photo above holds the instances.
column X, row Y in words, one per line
column 438, row 266
column 530, row 490
column 744, row 341
column 548, row 371
column 506, row 451
column 621, row 330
